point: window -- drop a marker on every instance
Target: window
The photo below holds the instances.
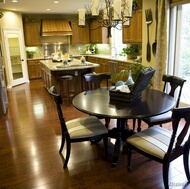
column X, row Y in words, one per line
column 117, row 42
column 179, row 57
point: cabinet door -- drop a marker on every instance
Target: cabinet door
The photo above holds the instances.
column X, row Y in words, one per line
column 32, row 34
column 98, row 34
column 104, row 65
column 138, row 31
column 34, row 69
column 80, row 34
column 133, row 33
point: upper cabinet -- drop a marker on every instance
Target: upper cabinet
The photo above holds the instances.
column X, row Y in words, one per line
column 133, row 33
column 32, row 33
column 80, row 34
column 98, row 34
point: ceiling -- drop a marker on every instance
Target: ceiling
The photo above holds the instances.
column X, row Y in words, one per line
column 41, row 6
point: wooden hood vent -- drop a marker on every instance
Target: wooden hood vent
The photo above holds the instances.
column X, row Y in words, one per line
column 55, row 28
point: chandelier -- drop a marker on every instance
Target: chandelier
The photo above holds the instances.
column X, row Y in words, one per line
column 1, row 14
column 112, row 14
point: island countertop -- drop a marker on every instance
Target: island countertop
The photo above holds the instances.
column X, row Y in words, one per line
column 73, row 65
column 51, row 72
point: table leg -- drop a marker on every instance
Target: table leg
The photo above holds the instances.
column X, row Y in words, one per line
column 117, row 134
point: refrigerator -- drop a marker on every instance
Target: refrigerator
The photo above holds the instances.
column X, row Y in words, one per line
column 3, row 88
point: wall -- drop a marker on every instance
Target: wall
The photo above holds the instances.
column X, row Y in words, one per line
column 10, row 20
column 147, row 4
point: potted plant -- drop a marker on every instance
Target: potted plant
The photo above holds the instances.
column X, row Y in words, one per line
column 129, row 75
column 30, row 53
column 131, row 52
column 133, row 68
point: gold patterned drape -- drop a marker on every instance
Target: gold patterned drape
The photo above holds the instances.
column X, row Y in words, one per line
column 162, row 50
column 178, row 2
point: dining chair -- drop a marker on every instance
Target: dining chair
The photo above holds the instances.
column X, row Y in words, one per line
column 173, row 85
column 79, row 129
column 93, row 81
column 162, row 145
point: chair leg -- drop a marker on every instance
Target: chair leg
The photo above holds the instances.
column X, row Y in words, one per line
column 139, row 125
column 62, row 143
column 165, row 174
column 134, row 123
column 67, row 153
column 107, row 122
column 129, row 156
column 186, row 162
column 105, row 139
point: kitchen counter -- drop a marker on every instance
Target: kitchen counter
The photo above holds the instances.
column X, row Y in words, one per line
column 118, row 58
column 108, row 57
column 73, row 65
column 51, row 71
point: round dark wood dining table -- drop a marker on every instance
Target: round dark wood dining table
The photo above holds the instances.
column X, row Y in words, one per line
column 97, row 102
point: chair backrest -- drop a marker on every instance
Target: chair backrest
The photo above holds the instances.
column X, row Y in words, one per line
column 94, row 80
column 143, row 79
column 174, row 82
column 179, row 135
column 58, row 101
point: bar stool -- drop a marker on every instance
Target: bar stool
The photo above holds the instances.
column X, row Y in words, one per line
column 67, row 87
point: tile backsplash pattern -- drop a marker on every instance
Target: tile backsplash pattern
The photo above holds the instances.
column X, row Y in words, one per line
column 74, row 50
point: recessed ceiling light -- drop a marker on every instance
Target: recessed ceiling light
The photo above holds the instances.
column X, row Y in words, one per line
column 56, row 1
column 14, row 1
column 48, row 9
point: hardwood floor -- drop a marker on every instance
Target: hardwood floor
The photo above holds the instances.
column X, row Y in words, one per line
column 29, row 144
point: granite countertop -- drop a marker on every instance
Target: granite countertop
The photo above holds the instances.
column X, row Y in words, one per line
column 118, row 58
column 73, row 65
column 36, row 58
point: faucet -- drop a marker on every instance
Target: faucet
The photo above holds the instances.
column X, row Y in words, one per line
column 113, row 52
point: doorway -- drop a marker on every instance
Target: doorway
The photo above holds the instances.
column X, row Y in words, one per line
column 15, row 56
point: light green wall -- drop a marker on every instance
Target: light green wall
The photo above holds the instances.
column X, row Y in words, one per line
column 147, row 4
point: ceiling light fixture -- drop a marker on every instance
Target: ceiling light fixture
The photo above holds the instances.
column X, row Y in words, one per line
column 14, row 1
column 1, row 15
column 56, row 1
column 113, row 13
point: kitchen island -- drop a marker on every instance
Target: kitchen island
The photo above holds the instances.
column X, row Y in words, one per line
column 51, row 71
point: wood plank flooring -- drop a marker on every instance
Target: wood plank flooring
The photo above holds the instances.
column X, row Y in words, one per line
column 29, row 142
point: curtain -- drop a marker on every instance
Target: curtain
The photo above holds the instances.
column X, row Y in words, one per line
column 162, row 50
column 178, row 2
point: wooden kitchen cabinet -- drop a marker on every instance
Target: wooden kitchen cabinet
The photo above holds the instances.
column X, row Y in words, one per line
column 124, row 66
column 34, row 69
column 98, row 34
column 46, row 76
column 133, row 33
column 80, row 34
column 32, row 33
column 104, row 64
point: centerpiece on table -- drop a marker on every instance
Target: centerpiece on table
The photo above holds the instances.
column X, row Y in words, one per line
column 127, row 77
column 130, row 90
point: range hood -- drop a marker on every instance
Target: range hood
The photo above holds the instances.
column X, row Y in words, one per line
column 55, row 28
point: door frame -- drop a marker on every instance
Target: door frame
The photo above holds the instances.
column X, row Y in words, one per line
column 24, row 79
